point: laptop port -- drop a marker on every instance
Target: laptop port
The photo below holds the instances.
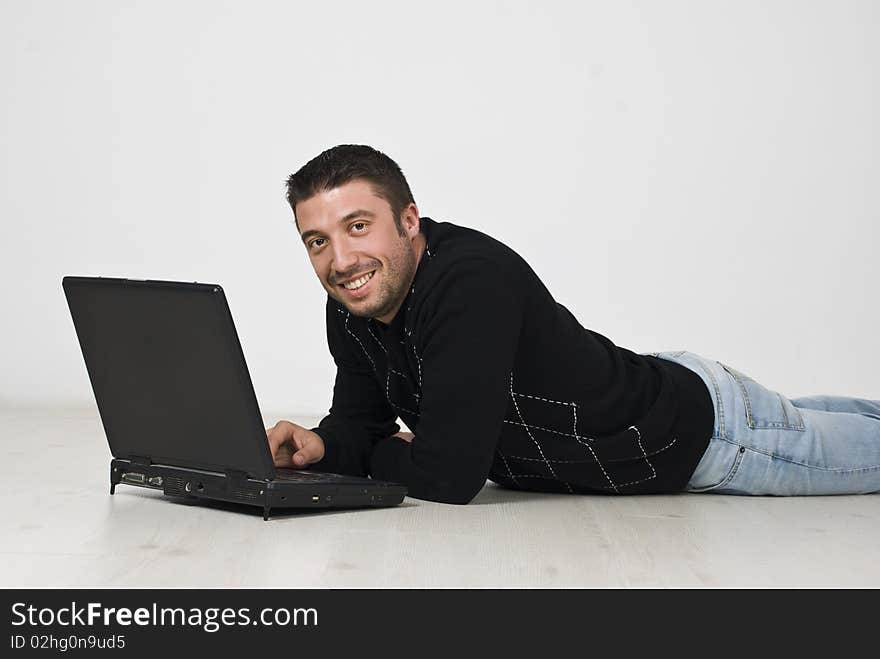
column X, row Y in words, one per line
column 133, row 477
column 316, row 498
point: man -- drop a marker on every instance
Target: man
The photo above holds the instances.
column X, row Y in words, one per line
column 451, row 331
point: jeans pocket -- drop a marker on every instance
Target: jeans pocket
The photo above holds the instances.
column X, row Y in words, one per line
column 700, row 474
column 765, row 408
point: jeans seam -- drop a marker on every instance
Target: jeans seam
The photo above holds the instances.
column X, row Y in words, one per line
column 719, row 404
column 740, row 455
column 809, row 466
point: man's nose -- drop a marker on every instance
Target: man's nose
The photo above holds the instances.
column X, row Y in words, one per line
column 344, row 258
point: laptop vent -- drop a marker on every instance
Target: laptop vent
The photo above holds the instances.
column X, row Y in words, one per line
column 174, row 486
column 244, row 495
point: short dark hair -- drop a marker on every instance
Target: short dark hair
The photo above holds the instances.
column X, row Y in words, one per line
column 347, row 162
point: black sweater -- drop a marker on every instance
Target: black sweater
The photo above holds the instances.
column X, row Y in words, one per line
column 499, row 381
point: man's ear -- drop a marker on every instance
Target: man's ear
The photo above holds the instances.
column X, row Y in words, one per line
column 411, row 220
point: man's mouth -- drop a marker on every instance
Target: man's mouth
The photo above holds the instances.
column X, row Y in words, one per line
column 355, row 284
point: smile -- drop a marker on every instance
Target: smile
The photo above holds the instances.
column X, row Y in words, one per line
column 355, row 284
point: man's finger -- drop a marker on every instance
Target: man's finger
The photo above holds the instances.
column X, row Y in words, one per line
column 306, row 455
column 282, row 456
column 302, row 458
column 277, row 436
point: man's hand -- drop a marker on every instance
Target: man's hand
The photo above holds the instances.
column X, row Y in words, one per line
column 294, row 446
column 405, row 436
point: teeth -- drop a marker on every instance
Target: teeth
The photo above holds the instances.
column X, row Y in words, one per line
column 357, row 283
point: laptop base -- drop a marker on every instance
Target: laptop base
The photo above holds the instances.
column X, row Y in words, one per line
column 178, row 482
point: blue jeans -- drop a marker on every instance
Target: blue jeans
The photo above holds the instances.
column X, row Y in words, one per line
column 766, row 444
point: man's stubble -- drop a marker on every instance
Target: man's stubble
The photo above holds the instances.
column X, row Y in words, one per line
column 394, row 283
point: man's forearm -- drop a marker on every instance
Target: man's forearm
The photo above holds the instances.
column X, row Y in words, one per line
column 348, row 446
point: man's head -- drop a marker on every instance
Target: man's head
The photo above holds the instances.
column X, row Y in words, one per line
column 357, row 218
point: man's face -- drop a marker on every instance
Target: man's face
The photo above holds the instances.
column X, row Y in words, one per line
column 356, row 249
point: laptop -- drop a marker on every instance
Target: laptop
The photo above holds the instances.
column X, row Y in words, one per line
column 177, row 403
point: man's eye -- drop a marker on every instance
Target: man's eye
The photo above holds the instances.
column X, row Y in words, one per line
column 358, row 224
column 314, row 243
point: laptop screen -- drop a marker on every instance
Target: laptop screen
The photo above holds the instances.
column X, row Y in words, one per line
column 168, row 373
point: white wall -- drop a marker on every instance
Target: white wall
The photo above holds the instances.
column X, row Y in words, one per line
column 683, row 175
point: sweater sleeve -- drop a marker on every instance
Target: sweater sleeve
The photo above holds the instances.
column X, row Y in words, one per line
column 471, row 329
column 359, row 415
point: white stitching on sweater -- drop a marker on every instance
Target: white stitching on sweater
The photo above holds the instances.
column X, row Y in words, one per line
column 644, row 453
column 540, row 450
column 674, row 439
column 546, row 400
column 509, row 471
column 612, row 486
column 412, row 290
column 522, row 457
column 408, row 307
column 381, row 345
column 418, row 364
column 595, row 457
column 556, row 432
column 536, row 476
column 388, row 393
column 572, row 462
column 359, row 342
column 652, row 468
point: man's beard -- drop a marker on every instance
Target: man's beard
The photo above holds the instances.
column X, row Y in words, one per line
column 394, row 281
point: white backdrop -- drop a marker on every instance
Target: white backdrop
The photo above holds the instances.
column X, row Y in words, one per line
column 682, row 175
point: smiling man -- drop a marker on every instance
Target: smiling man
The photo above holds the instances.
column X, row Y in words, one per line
column 370, row 261
column 452, row 331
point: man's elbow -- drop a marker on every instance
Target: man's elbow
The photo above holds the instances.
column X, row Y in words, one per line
column 454, row 484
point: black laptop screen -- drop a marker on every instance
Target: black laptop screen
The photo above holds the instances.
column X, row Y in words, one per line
column 168, row 373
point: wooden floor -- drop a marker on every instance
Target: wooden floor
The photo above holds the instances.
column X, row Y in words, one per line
column 60, row 527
